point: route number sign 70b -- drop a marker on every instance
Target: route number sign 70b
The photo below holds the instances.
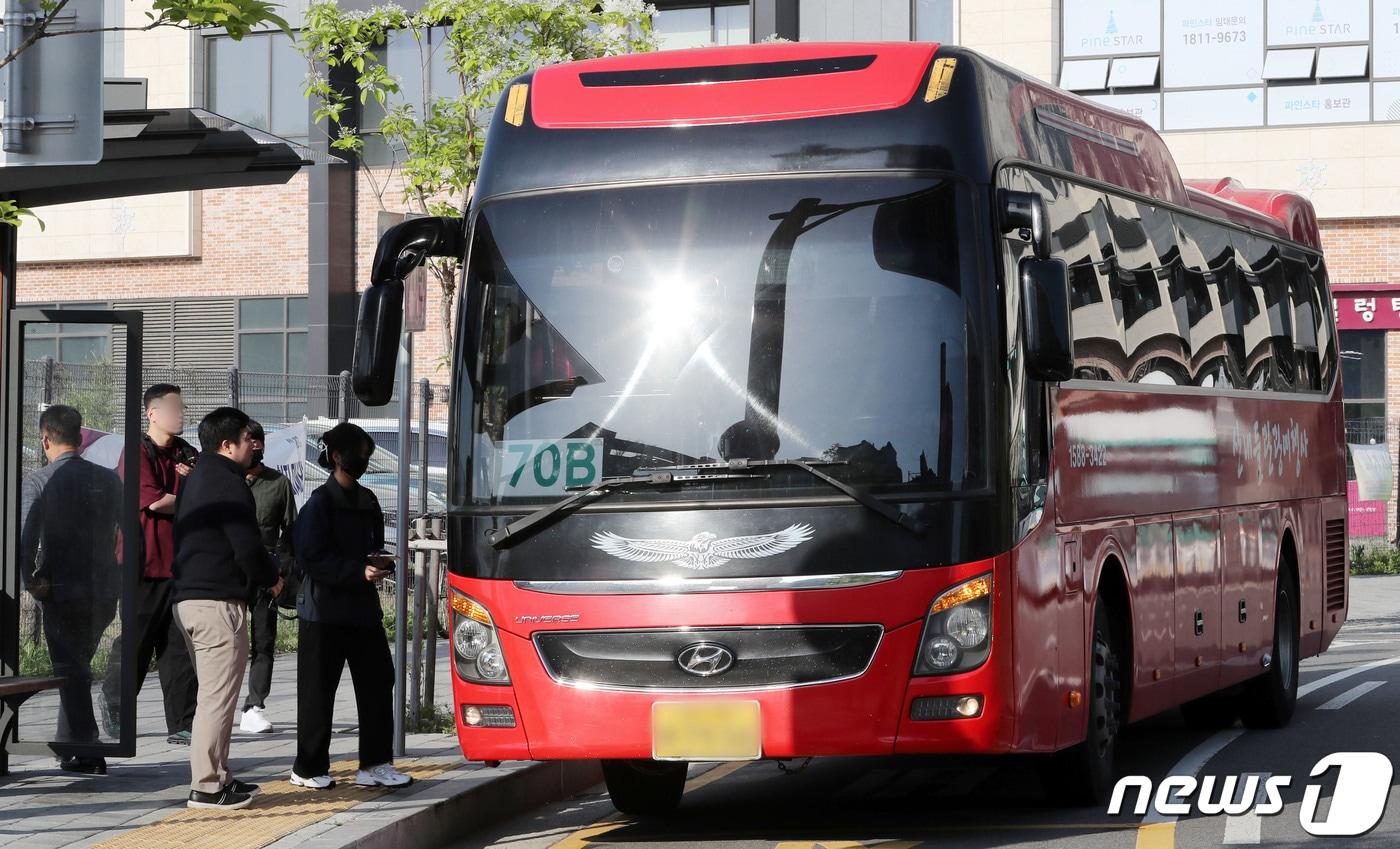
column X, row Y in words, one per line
column 546, row 466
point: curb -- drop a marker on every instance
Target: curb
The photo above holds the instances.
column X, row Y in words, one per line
column 494, row 795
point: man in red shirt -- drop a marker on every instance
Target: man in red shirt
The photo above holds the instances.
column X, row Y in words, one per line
column 165, row 460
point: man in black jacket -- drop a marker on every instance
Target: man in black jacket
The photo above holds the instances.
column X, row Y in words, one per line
column 219, row 560
column 68, row 562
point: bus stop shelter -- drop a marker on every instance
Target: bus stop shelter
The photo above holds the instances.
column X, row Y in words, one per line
column 148, row 151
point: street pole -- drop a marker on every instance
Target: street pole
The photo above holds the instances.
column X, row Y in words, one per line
column 402, row 575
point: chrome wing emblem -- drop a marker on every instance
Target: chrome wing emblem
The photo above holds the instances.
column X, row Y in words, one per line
column 704, row 550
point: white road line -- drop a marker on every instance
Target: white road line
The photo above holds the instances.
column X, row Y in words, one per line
column 1246, row 828
column 1192, row 762
column 1341, row 644
column 1342, row 675
column 1350, row 695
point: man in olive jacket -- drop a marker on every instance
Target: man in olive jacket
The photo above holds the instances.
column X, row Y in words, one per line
column 219, row 560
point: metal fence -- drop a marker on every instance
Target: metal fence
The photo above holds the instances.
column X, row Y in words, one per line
column 97, row 390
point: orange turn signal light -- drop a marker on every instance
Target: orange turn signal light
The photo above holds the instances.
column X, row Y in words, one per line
column 470, row 609
column 973, row 589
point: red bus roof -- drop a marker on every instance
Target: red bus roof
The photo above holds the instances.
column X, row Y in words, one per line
column 1289, row 214
column 729, row 85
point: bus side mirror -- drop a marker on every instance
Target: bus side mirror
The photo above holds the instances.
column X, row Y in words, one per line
column 379, row 324
column 1045, row 321
column 377, row 331
column 1024, row 214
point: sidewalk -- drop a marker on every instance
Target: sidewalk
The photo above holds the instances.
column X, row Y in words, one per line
column 140, row 802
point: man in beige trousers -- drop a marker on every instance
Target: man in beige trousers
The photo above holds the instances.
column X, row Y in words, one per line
column 219, row 559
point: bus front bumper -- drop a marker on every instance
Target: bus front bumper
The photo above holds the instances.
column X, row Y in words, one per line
column 881, row 712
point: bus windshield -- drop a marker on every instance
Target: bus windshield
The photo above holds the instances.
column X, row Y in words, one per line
column 832, row 319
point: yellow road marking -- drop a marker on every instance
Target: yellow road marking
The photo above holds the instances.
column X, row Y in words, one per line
column 717, row 774
column 277, row 812
column 1157, row 835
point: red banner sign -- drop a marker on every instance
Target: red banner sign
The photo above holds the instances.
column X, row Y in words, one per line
column 1367, row 310
column 1364, row 518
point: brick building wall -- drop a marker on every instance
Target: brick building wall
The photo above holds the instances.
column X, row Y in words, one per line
column 1362, row 250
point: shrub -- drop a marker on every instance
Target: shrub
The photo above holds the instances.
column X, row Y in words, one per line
column 1375, row 560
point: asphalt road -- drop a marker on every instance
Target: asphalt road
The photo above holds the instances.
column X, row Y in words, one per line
column 1349, row 702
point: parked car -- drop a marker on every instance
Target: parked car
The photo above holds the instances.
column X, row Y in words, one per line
column 382, row 478
column 386, row 436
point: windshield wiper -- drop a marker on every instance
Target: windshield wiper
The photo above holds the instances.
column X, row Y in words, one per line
column 524, row 526
column 740, row 467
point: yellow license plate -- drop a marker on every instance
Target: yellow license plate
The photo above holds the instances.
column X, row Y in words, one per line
column 706, row 731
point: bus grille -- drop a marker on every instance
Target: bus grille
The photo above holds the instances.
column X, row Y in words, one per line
column 761, row 657
column 1335, row 548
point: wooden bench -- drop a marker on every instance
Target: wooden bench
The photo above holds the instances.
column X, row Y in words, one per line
column 14, row 692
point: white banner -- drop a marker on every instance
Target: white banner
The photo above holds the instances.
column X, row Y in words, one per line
column 1372, row 464
column 1318, row 21
column 285, row 451
column 1385, row 56
column 1218, row 44
column 1112, row 27
column 1337, row 103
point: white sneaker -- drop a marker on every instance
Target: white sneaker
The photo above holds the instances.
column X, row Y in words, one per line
column 320, row 782
column 383, row 775
column 255, row 721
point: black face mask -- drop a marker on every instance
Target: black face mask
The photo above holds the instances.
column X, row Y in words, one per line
column 256, row 460
column 355, row 467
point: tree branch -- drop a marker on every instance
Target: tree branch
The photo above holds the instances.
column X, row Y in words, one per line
column 38, row 33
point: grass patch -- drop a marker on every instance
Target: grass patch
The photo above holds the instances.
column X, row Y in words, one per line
column 1375, row 560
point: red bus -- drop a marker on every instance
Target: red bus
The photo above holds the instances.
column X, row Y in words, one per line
column 869, row 399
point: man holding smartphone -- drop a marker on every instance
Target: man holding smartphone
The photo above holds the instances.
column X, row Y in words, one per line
column 339, row 540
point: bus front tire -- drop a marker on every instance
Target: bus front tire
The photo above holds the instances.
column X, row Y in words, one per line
column 644, row 787
column 1084, row 774
column 1269, row 699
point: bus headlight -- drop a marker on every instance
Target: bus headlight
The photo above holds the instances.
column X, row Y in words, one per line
column 476, row 644
column 470, row 637
column 958, row 630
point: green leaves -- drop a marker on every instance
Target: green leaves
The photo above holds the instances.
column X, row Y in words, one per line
column 436, row 138
column 238, row 17
column 12, row 214
column 483, row 44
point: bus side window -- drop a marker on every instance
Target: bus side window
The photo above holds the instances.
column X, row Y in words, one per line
column 1269, row 330
column 1208, row 270
column 1147, row 292
column 1080, row 235
column 1307, row 320
column 1326, row 335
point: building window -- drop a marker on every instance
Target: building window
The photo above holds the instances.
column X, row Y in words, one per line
column 272, row 335
column 1363, row 382
column 272, row 358
column 842, row 20
column 73, row 344
column 257, row 81
column 935, row 20
column 702, row 25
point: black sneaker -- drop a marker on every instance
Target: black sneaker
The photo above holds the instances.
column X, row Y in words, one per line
column 244, row 787
column 83, row 766
column 225, row 800
column 180, row 738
